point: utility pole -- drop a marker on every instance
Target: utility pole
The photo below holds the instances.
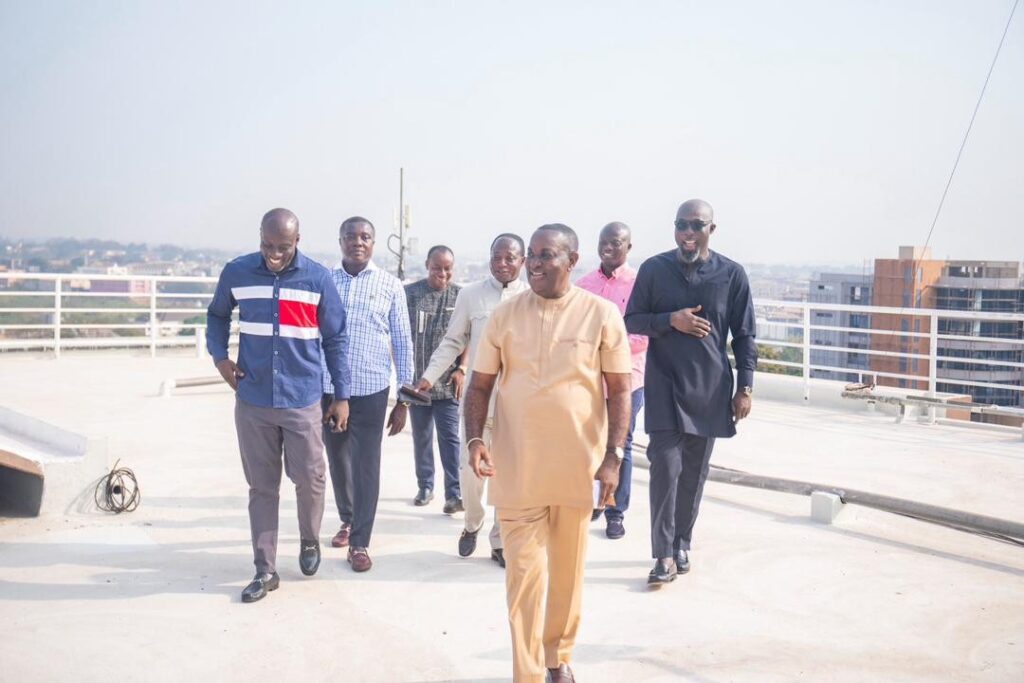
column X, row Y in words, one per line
column 402, row 225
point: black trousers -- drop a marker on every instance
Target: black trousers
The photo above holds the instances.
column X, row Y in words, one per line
column 679, row 468
column 353, row 457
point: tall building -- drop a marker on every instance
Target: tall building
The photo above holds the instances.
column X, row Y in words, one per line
column 850, row 290
column 915, row 280
column 989, row 286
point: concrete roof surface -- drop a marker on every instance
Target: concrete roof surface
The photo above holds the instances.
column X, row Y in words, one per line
column 154, row 594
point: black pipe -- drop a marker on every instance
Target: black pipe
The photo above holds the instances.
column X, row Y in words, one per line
column 957, row 519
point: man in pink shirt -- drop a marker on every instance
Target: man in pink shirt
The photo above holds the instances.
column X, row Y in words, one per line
column 613, row 281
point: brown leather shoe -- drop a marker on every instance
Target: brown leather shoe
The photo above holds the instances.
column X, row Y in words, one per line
column 563, row 674
column 360, row 560
column 340, row 539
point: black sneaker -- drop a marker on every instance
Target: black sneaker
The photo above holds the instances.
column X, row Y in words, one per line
column 309, row 557
column 453, row 505
column 615, row 529
column 467, row 543
column 498, row 555
column 423, row 496
column 260, row 585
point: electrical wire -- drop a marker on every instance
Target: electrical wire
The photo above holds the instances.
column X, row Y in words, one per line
column 118, row 491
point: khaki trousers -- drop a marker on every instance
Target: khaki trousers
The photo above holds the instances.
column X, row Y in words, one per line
column 472, row 488
column 545, row 548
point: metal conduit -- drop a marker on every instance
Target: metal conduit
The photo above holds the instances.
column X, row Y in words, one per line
column 956, row 519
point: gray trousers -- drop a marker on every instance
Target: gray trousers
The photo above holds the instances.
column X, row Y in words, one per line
column 263, row 435
column 679, row 468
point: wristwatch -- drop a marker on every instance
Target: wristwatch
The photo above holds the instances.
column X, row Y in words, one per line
column 749, row 391
column 618, row 451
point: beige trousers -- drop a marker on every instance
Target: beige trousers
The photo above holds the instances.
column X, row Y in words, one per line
column 545, row 548
column 472, row 488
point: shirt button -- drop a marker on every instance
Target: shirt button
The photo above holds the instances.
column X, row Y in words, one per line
column 275, row 353
column 275, row 371
column 275, row 315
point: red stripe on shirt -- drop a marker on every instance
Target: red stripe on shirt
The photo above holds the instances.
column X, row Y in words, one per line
column 297, row 313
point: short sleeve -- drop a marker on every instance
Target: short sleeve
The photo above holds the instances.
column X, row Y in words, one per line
column 615, row 352
column 488, row 351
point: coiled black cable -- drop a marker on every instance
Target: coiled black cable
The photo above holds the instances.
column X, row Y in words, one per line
column 118, row 491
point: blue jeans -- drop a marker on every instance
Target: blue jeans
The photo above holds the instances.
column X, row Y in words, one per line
column 444, row 414
column 618, row 510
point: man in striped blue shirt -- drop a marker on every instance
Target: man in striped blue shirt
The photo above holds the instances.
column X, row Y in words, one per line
column 378, row 330
column 290, row 321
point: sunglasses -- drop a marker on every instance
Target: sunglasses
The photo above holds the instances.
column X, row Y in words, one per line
column 695, row 225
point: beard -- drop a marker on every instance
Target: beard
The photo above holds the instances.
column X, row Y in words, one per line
column 689, row 256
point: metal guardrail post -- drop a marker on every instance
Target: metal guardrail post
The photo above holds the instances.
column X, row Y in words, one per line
column 807, row 353
column 200, row 338
column 154, row 330
column 57, row 289
column 933, row 361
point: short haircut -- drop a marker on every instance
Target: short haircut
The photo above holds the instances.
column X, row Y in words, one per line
column 569, row 233
column 357, row 219
column 510, row 236
column 439, row 248
column 280, row 218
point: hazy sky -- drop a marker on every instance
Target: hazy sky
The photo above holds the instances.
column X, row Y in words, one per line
column 820, row 131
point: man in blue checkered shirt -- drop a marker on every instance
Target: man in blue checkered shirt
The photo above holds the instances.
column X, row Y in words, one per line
column 378, row 330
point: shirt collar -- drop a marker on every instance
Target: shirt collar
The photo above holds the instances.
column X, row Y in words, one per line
column 493, row 282
column 370, row 267
column 618, row 273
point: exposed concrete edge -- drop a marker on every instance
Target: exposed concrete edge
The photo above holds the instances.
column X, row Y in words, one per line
column 68, row 463
column 55, row 441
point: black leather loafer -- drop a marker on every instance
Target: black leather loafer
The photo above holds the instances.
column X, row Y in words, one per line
column 664, row 572
column 467, row 543
column 499, row 557
column 309, row 557
column 260, row 585
column 682, row 561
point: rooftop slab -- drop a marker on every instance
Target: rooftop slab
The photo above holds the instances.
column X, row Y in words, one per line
column 772, row 596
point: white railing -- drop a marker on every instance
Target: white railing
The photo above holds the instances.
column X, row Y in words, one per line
column 795, row 318
column 50, row 312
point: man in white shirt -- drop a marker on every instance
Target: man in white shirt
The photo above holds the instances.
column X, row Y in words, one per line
column 472, row 310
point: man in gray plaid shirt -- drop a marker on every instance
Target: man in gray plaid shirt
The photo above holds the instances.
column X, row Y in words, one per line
column 431, row 302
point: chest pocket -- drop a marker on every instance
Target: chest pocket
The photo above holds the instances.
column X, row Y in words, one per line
column 567, row 356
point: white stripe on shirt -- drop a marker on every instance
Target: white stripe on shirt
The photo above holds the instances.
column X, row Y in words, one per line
column 257, row 329
column 296, row 332
column 300, row 295
column 252, row 292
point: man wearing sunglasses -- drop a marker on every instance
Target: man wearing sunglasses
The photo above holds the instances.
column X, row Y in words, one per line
column 687, row 301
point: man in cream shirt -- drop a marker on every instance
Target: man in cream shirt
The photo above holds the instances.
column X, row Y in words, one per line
column 548, row 354
column 472, row 310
